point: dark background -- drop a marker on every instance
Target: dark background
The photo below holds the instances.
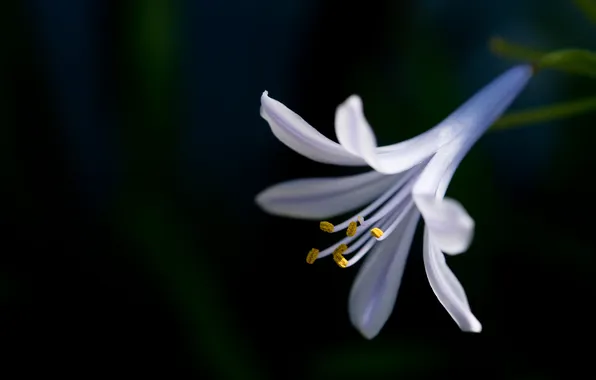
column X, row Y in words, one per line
column 132, row 150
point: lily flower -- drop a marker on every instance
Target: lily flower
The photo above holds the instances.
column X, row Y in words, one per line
column 409, row 179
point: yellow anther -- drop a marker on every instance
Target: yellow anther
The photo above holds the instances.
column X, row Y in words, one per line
column 340, row 250
column 360, row 220
column 312, row 255
column 340, row 260
column 351, row 229
column 327, row 227
column 376, row 232
column 338, row 255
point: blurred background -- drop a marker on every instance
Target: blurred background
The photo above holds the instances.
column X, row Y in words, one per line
column 133, row 148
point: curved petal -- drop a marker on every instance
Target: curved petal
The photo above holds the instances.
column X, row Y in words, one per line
column 476, row 114
column 356, row 135
column 320, row 198
column 450, row 226
column 374, row 292
column 298, row 135
column 447, row 288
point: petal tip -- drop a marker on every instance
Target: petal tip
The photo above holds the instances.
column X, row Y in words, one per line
column 369, row 335
column 265, row 200
column 474, row 326
column 362, row 319
column 260, row 200
column 354, row 101
column 265, row 98
column 449, row 223
column 367, row 330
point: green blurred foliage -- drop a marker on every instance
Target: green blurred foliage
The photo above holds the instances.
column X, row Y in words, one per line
column 573, row 61
column 545, row 114
column 588, row 7
column 143, row 212
column 518, row 52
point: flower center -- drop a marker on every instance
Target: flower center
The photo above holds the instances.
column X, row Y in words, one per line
column 384, row 215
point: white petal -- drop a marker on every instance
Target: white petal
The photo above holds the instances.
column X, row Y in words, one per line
column 298, row 135
column 449, row 224
column 475, row 115
column 447, row 288
column 319, row 198
column 355, row 134
column 374, row 292
column 486, row 106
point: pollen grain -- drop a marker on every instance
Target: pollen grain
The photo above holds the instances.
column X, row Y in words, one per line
column 340, row 249
column 376, row 232
column 340, row 260
column 312, row 256
column 351, row 231
column 327, row 227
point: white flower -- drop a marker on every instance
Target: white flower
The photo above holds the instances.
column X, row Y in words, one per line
column 409, row 179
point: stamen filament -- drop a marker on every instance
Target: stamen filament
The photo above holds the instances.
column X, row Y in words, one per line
column 353, row 247
column 362, row 252
column 329, row 250
column 371, row 242
column 382, row 199
column 403, row 194
column 396, row 222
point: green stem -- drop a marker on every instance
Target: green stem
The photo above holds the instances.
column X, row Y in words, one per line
column 506, row 49
column 548, row 113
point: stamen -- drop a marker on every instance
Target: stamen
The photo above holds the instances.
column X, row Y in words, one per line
column 338, row 255
column 340, row 250
column 361, row 237
column 329, row 250
column 312, row 256
column 371, row 241
column 351, row 229
column 396, row 222
column 403, row 194
column 362, row 252
column 387, row 208
column 357, row 244
column 327, row 227
column 376, row 232
column 403, row 180
column 340, row 260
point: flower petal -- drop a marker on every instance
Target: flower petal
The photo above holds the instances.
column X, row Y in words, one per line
column 319, row 198
column 298, row 135
column 374, row 292
column 447, row 288
column 449, row 224
column 356, row 135
column 476, row 114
